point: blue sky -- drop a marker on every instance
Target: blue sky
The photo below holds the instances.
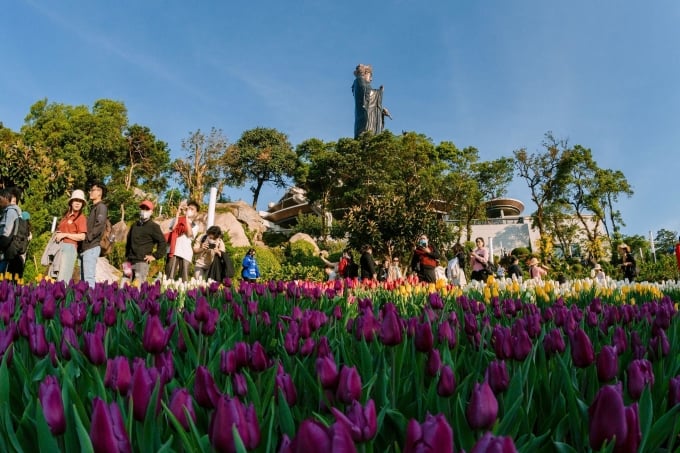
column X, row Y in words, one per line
column 495, row 75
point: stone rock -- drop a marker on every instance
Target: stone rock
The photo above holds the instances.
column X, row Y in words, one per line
column 229, row 223
column 307, row 238
column 245, row 213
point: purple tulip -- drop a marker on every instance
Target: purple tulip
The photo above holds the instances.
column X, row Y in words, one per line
column 107, row 428
column 179, row 401
column 206, row 392
column 68, row 338
column 521, row 343
column 156, row 337
column 434, row 435
column 314, row 436
column 424, row 339
column 482, row 410
column 492, row 444
column 118, row 375
column 607, row 417
column 582, row 353
column 36, row 340
column 607, row 363
column 230, row 412
column 659, row 346
column 143, row 383
column 307, row 347
column 634, row 437
column 52, row 405
column 284, row 383
column 165, row 364
column 93, row 348
column 360, row 421
column 258, row 357
column 553, row 342
column 447, row 382
column 446, row 334
column 674, row 391
column 49, row 307
column 501, row 340
column 434, row 362
column 327, row 371
column 639, row 374
column 391, row 333
column 239, row 384
column 349, row 385
column 497, row 376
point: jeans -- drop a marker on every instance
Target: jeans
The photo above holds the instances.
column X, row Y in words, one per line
column 69, row 254
column 88, row 265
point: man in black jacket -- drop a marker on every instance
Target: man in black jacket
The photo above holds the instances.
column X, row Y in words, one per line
column 143, row 236
column 96, row 224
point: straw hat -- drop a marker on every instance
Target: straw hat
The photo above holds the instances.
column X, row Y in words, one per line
column 533, row 261
column 624, row 246
column 597, row 267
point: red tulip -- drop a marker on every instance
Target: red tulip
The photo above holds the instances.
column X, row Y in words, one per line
column 482, row 409
column 180, row 401
column 434, row 435
column 107, row 429
column 52, row 405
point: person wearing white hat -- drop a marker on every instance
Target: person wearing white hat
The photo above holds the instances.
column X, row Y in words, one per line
column 70, row 232
column 598, row 274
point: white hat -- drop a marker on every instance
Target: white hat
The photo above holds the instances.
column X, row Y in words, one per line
column 77, row 195
column 597, row 267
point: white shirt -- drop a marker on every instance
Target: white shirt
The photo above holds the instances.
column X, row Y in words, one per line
column 184, row 244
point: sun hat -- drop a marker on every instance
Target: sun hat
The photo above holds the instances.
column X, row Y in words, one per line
column 77, row 195
column 146, row 204
column 624, row 246
column 597, row 267
column 533, row 261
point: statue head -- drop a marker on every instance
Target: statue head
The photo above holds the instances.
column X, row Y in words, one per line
column 364, row 71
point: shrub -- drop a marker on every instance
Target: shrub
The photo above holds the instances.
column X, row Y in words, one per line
column 274, row 238
column 302, row 252
column 266, row 260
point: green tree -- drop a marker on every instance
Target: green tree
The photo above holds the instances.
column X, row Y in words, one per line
column 317, row 174
column 145, row 169
column 665, row 240
column 263, row 155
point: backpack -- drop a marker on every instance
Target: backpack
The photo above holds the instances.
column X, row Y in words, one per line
column 107, row 239
column 20, row 237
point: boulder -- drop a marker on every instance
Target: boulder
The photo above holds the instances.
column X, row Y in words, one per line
column 229, row 223
column 305, row 237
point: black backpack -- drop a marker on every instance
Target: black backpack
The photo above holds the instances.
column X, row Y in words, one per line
column 19, row 239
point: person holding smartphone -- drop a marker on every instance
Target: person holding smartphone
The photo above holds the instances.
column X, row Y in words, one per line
column 206, row 247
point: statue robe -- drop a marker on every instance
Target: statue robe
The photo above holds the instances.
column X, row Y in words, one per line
column 368, row 109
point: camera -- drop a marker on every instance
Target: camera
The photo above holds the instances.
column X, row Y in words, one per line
column 212, row 245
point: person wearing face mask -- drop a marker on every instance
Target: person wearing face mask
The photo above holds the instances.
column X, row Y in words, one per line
column 143, row 236
column 425, row 260
column 183, row 229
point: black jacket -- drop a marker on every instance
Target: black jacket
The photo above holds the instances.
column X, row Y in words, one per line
column 142, row 238
column 96, row 224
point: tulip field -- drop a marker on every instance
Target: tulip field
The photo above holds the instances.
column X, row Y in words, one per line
column 340, row 367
